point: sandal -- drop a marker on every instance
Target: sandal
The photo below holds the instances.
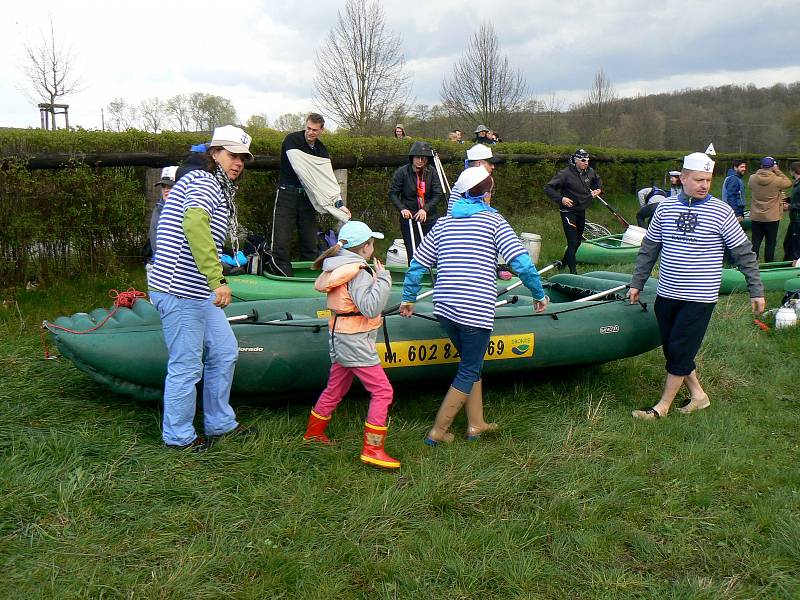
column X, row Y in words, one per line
column 646, row 414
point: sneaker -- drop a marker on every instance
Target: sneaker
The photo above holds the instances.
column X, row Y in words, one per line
column 238, row 431
column 694, row 404
column 197, row 445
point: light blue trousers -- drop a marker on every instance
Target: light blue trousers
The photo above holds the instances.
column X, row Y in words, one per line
column 200, row 343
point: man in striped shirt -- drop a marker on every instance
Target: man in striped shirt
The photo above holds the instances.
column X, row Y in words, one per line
column 690, row 232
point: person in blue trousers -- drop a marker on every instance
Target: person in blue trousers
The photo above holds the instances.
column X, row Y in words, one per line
column 187, row 287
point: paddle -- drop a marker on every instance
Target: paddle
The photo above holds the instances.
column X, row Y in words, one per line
column 620, row 218
column 252, row 317
column 440, row 171
column 553, row 265
column 603, row 293
column 511, row 300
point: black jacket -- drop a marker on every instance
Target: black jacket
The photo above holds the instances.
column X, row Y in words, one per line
column 794, row 202
column 290, row 142
column 403, row 191
column 575, row 185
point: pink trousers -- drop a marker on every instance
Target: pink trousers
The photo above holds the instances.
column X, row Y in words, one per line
column 374, row 380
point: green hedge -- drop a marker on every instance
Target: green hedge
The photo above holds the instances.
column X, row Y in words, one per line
column 55, row 222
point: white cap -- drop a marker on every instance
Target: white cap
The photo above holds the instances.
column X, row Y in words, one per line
column 697, row 161
column 233, row 139
column 479, row 152
column 469, row 178
column 167, row 176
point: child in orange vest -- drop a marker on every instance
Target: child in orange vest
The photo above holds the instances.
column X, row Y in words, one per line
column 356, row 297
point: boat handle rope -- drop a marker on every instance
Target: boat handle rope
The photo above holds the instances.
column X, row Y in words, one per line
column 124, row 299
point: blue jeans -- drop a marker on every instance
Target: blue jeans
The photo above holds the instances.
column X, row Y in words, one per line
column 192, row 328
column 471, row 343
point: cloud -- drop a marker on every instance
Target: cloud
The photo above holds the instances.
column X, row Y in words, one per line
column 260, row 55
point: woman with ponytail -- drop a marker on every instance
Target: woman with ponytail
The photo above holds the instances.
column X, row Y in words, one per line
column 187, row 287
column 357, row 295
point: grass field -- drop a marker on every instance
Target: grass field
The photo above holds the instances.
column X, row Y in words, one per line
column 572, row 499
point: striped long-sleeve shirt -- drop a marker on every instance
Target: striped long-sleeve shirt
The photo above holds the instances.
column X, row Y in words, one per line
column 175, row 270
column 693, row 235
column 464, row 252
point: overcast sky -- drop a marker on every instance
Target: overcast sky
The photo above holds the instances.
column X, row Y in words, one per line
column 260, row 54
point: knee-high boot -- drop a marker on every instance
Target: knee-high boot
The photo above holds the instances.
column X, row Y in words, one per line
column 474, row 409
column 452, row 403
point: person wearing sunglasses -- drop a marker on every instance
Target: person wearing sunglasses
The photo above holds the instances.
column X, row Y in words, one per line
column 572, row 189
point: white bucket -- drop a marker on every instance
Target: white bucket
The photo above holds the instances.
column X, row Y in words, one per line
column 785, row 317
column 634, row 235
column 533, row 244
column 396, row 255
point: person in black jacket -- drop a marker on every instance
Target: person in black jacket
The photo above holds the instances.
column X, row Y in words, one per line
column 572, row 189
column 791, row 243
column 293, row 210
column 416, row 192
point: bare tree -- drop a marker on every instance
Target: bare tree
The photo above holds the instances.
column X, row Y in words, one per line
column 207, row 111
column 49, row 70
column 600, row 110
column 179, row 108
column 360, row 69
column 483, row 87
column 121, row 115
column 153, row 114
column 290, row 122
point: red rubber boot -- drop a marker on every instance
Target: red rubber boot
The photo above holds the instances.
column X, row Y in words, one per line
column 373, row 453
column 316, row 428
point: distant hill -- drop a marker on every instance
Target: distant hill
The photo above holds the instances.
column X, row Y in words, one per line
column 734, row 118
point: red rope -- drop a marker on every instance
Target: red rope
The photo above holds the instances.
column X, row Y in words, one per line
column 124, row 299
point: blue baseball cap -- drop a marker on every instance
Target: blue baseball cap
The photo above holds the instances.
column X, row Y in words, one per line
column 355, row 233
column 767, row 162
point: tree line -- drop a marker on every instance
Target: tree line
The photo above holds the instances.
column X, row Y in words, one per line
column 188, row 112
column 361, row 83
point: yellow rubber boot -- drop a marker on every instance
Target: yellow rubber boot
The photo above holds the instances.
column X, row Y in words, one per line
column 373, row 452
column 452, row 403
column 474, row 409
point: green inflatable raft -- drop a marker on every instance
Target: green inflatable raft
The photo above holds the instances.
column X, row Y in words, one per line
column 300, row 285
column 773, row 275
column 283, row 344
column 606, row 250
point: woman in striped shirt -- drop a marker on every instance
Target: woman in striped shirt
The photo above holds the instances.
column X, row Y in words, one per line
column 463, row 246
column 188, row 289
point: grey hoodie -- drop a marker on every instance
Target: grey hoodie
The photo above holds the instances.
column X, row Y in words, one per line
column 370, row 296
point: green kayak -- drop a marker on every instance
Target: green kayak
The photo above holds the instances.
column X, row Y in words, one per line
column 606, row 250
column 283, row 347
column 300, row 285
column 773, row 276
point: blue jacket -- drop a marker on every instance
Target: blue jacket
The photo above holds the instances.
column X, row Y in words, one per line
column 733, row 192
